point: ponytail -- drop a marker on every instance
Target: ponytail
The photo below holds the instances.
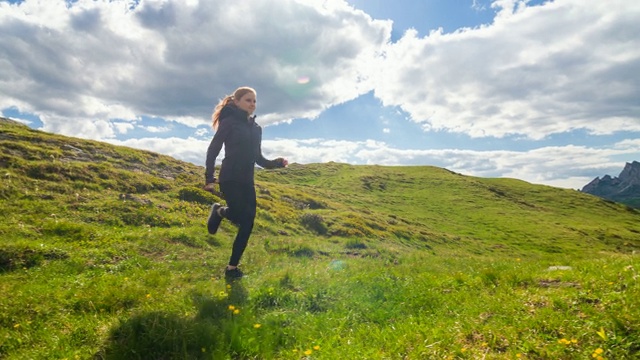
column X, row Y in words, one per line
column 216, row 112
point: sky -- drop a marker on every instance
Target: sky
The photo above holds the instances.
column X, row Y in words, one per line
column 543, row 91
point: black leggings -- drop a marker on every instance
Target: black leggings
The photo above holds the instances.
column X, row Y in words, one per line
column 241, row 210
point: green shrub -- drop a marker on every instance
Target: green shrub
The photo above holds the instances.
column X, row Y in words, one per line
column 68, row 230
column 16, row 257
column 194, row 194
column 355, row 244
column 313, row 222
column 344, row 230
column 302, row 250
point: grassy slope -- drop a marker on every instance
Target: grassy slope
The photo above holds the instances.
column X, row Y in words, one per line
column 103, row 253
column 436, row 206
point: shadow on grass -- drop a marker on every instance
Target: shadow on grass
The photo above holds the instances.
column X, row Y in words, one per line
column 210, row 334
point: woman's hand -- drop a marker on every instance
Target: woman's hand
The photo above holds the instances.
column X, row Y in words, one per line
column 282, row 162
column 210, row 186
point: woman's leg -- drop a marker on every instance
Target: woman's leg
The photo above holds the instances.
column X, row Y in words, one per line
column 241, row 210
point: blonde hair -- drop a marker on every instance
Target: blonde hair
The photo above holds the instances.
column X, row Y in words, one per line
column 237, row 95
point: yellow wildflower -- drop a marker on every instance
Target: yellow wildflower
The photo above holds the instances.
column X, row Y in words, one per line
column 316, row 348
column 598, row 351
column 564, row 341
column 236, row 311
column 256, row 326
column 308, row 352
column 231, row 307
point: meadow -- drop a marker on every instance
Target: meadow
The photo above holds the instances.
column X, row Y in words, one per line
column 104, row 254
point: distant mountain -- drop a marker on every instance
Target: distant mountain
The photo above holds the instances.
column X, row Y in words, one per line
column 624, row 189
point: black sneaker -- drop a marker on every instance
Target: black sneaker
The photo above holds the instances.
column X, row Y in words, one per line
column 213, row 222
column 233, row 274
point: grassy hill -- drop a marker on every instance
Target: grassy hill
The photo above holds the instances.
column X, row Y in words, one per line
column 104, row 254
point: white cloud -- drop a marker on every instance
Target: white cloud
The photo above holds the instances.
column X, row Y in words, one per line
column 311, row 150
column 156, row 129
column 540, row 70
column 97, row 129
column 175, row 58
column 122, row 127
column 202, row 132
column 22, row 121
column 190, row 149
column 537, row 70
column 477, row 6
column 629, row 144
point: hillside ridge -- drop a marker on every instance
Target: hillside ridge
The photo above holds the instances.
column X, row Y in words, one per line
column 418, row 206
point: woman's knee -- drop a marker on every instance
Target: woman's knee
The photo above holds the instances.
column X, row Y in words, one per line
column 247, row 221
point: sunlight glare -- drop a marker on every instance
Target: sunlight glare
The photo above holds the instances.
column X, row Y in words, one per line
column 303, row 80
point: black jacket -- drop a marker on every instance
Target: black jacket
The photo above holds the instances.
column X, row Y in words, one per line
column 241, row 137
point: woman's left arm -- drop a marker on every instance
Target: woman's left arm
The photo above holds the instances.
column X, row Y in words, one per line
column 262, row 161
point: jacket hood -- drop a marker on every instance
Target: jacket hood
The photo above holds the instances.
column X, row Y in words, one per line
column 235, row 112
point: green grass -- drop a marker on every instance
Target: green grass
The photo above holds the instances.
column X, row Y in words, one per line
column 104, row 255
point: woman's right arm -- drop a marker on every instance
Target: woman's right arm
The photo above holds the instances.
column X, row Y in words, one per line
column 214, row 150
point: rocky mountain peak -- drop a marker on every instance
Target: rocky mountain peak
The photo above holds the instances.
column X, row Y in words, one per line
column 625, row 188
column 630, row 172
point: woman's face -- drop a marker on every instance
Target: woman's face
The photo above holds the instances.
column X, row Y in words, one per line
column 247, row 102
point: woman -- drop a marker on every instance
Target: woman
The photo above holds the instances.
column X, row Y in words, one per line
column 235, row 127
